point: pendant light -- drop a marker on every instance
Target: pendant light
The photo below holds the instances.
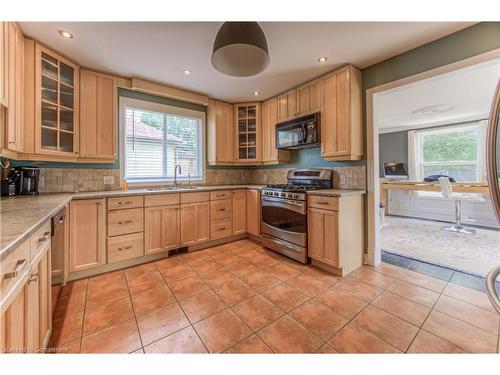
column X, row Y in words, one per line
column 240, row 49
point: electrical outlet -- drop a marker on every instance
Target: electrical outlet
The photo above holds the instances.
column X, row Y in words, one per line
column 342, row 180
column 41, row 182
column 109, row 180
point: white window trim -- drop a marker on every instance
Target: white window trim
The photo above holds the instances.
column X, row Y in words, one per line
column 158, row 107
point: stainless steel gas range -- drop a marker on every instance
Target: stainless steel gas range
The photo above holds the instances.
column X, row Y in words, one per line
column 284, row 211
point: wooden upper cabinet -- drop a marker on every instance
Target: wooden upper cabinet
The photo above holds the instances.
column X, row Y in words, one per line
column 14, row 41
column 308, row 98
column 56, row 104
column 4, row 76
column 287, row 105
column 98, row 119
column 270, row 154
column 248, row 137
column 220, row 133
column 341, row 116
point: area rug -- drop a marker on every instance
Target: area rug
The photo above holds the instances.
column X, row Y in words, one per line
column 424, row 240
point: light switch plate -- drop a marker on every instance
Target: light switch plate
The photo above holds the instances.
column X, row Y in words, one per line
column 109, row 180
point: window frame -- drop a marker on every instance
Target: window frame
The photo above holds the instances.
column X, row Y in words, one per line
column 124, row 101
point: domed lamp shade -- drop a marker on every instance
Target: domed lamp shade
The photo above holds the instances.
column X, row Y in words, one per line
column 240, row 49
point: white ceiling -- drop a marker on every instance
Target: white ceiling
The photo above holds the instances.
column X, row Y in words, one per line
column 161, row 51
column 469, row 91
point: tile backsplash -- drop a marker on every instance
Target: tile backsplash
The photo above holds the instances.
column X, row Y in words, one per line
column 57, row 180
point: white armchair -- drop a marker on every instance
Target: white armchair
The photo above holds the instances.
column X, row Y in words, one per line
column 447, row 192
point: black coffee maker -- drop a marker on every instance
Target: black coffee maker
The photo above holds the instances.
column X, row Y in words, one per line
column 22, row 180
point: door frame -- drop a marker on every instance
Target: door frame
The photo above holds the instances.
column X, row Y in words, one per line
column 373, row 256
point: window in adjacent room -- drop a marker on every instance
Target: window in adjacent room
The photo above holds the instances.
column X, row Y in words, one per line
column 157, row 137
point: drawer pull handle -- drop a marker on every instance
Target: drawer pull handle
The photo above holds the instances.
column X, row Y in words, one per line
column 125, row 248
column 222, row 209
column 221, row 229
column 125, row 222
column 124, row 202
column 323, row 203
column 44, row 238
column 33, row 277
column 20, row 264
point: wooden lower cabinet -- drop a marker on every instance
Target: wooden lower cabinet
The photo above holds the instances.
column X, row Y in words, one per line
column 239, row 211
column 87, row 234
column 195, row 223
column 161, row 229
column 335, row 236
column 253, row 212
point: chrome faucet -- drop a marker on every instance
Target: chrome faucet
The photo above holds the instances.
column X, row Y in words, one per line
column 175, row 174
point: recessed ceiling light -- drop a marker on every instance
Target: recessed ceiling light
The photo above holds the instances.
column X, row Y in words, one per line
column 256, row 93
column 187, row 72
column 66, row 34
column 432, row 109
column 322, row 59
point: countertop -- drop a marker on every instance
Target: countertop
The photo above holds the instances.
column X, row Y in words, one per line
column 21, row 216
column 336, row 192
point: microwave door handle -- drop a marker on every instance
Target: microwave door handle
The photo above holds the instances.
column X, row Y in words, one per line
column 304, row 134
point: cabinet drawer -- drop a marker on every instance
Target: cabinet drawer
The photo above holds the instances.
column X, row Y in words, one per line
column 40, row 240
column 195, row 197
column 326, row 203
column 119, row 203
column 220, row 229
column 125, row 221
column 223, row 194
column 125, row 247
column 161, row 199
column 220, row 209
column 14, row 266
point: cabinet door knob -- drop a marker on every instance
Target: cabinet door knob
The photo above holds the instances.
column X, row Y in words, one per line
column 33, row 277
column 20, row 264
column 125, row 222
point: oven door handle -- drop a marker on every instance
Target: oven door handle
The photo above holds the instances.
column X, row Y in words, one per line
column 299, row 207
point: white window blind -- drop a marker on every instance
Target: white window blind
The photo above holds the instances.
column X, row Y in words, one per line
column 157, row 138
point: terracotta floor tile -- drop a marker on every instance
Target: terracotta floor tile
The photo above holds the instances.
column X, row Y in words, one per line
column 152, row 299
column 263, row 260
column 242, row 268
column 110, row 278
column 260, row 280
column 202, row 305
column 390, row 328
column 66, row 329
column 120, row 338
column 341, row 302
column 226, row 259
column 222, row 330
column 70, row 303
column 355, row 339
column 141, row 282
column 323, row 275
column 389, row 269
column 176, row 273
column 217, row 279
column 161, row 322
column 282, row 271
column 235, row 291
column 184, row 341
column 471, row 314
column 423, row 280
column 171, row 261
column 369, row 276
column 107, row 314
column 326, row 349
column 302, row 268
column 257, row 312
column 72, row 347
column 195, row 255
column 215, row 250
column 471, row 296
column 76, row 286
column 359, row 289
column 404, row 308
column 205, row 265
column 138, row 351
column 462, row 334
column 285, row 296
column 426, row 342
column 285, row 335
column 140, row 269
column 319, row 319
column 188, row 287
column 251, row 345
column 309, row 284
column 414, row 292
column 115, row 289
column 249, row 254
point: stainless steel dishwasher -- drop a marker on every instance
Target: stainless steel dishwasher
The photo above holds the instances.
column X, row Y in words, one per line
column 58, row 247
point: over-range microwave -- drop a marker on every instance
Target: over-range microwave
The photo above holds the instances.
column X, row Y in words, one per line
column 301, row 132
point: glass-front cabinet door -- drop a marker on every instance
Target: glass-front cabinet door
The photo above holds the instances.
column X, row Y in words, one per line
column 56, row 92
column 247, row 148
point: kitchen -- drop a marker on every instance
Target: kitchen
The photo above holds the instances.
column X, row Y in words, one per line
column 145, row 216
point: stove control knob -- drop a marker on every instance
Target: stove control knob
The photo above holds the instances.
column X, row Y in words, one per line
column 283, row 194
column 295, row 196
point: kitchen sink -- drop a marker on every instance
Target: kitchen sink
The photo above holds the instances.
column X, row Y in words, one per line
column 170, row 188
